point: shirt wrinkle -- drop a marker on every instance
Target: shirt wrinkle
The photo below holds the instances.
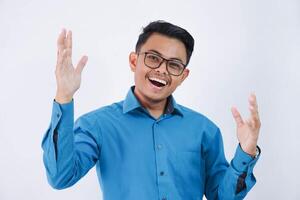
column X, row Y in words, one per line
column 150, row 159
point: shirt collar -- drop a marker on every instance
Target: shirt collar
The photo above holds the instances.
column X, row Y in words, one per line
column 132, row 103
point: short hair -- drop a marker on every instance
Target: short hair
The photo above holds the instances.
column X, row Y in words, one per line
column 169, row 30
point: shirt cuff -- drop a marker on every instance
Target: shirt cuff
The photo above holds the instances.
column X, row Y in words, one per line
column 243, row 162
column 62, row 114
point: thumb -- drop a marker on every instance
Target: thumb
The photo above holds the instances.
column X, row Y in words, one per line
column 237, row 116
column 82, row 62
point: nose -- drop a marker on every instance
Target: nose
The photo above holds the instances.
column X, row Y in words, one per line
column 162, row 68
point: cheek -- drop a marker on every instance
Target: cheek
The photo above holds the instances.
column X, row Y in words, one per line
column 175, row 82
column 140, row 73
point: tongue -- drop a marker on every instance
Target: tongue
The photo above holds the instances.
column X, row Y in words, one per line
column 158, row 84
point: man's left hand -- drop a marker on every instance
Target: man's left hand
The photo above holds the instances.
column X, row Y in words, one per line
column 248, row 130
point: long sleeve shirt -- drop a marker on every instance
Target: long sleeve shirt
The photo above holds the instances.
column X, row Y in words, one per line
column 178, row 156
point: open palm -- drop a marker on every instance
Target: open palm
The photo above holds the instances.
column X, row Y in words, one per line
column 248, row 130
column 68, row 78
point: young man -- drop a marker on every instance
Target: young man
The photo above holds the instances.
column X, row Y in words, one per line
column 147, row 146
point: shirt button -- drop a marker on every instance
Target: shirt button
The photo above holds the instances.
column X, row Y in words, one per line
column 57, row 115
column 162, row 173
column 159, row 146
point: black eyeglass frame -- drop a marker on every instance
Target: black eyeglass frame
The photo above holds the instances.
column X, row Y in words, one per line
column 163, row 60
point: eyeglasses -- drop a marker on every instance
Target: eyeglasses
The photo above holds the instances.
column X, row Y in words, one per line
column 154, row 61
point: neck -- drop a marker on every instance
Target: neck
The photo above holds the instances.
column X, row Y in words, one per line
column 155, row 108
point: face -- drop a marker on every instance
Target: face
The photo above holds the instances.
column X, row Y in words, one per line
column 156, row 85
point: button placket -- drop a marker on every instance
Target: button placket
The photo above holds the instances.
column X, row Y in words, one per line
column 159, row 146
column 159, row 156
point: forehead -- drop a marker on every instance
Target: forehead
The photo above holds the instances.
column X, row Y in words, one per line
column 168, row 47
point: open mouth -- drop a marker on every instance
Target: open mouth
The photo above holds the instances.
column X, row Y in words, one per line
column 157, row 82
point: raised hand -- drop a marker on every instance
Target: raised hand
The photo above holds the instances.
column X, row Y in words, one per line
column 248, row 130
column 68, row 78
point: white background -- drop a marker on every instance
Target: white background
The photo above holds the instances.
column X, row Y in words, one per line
column 241, row 46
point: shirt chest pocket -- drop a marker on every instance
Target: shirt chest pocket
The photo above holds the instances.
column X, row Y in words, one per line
column 190, row 175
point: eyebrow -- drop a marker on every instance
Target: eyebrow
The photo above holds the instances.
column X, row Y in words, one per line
column 154, row 51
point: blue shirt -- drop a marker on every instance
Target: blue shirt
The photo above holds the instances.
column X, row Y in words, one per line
column 179, row 156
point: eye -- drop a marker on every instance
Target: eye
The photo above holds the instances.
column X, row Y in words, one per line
column 175, row 65
column 153, row 58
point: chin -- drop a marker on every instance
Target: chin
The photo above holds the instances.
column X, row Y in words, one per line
column 152, row 92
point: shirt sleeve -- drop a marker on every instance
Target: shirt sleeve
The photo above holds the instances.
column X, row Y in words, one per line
column 224, row 180
column 70, row 149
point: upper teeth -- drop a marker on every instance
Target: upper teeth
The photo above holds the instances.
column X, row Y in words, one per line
column 158, row 80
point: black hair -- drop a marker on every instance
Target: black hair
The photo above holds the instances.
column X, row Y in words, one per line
column 170, row 30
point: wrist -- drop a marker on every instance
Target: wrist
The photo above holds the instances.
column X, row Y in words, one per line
column 249, row 150
column 61, row 99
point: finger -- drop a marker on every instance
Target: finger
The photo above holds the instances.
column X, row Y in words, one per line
column 237, row 116
column 254, row 112
column 253, row 107
column 68, row 59
column 251, row 123
column 252, row 100
column 254, row 115
column 254, row 120
column 69, row 43
column 82, row 62
column 61, row 41
column 61, row 60
column 64, row 62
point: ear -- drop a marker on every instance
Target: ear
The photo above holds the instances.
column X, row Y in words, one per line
column 184, row 75
column 133, row 61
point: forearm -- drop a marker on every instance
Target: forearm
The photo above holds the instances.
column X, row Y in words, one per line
column 238, row 178
column 70, row 149
column 224, row 180
column 58, row 146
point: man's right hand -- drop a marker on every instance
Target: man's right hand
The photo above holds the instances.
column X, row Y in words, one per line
column 68, row 78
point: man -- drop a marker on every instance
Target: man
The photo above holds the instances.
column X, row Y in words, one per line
column 147, row 146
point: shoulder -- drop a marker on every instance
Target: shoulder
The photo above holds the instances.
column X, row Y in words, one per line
column 104, row 112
